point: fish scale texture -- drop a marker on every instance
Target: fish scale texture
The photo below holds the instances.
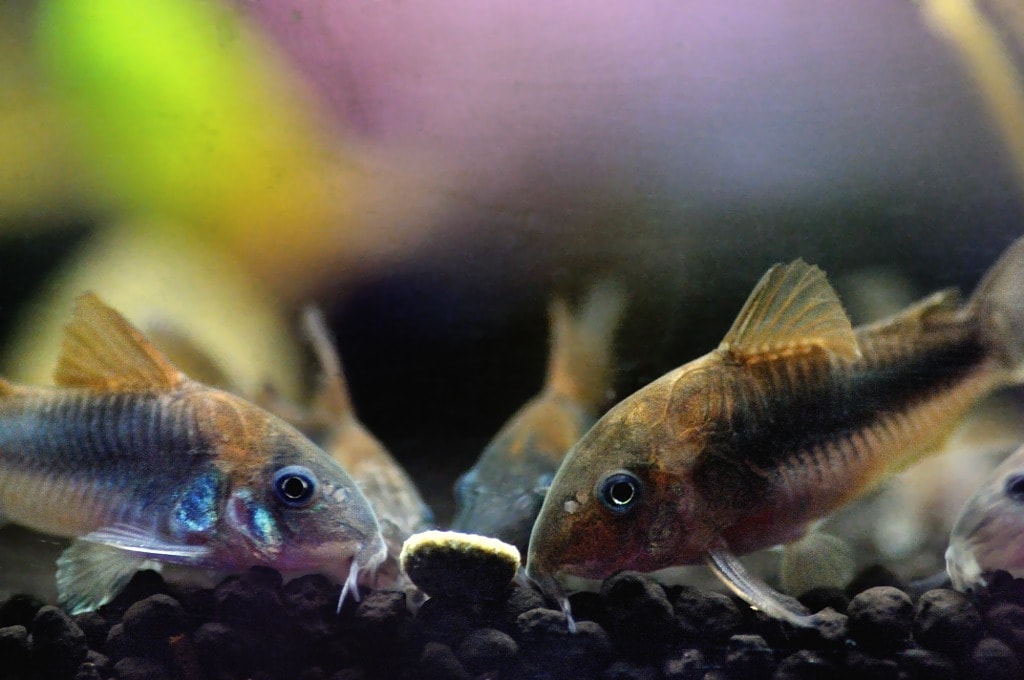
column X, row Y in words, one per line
column 254, row 626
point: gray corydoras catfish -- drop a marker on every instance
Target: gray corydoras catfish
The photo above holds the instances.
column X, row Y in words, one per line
column 501, row 494
column 397, row 502
column 792, row 416
column 144, row 466
column 989, row 533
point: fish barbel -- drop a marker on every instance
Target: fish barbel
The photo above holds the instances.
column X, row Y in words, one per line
column 501, row 494
column 791, row 417
column 989, row 533
column 143, row 466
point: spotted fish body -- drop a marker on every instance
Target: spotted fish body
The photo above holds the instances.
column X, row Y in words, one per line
column 145, row 466
column 794, row 415
column 989, row 533
column 502, row 493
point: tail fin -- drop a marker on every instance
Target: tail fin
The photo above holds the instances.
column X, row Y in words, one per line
column 580, row 366
column 998, row 304
column 333, row 395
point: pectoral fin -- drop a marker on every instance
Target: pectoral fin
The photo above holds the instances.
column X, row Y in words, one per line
column 90, row 574
column 817, row 559
column 132, row 539
column 756, row 592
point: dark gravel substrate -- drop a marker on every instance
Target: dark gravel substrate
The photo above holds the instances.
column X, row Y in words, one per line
column 254, row 626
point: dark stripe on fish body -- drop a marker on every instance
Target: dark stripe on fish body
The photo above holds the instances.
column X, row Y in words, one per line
column 844, row 404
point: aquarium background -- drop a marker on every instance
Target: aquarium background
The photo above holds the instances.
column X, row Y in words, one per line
column 430, row 174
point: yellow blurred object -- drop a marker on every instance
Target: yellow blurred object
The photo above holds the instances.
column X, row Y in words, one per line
column 160, row 276
column 36, row 176
column 988, row 62
column 182, row 110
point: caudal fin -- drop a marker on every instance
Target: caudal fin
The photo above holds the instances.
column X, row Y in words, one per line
column 998, row 304
column 580, row 366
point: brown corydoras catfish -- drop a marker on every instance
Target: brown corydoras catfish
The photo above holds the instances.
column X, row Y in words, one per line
column 144, row 466
column 501, row 494
column 397, row 502
column 792, row 416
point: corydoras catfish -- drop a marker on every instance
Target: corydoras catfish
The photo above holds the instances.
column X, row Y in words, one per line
column 989, row 533
column 143, row 466
column 397, row 502
column 792, row 416
column 501, row 494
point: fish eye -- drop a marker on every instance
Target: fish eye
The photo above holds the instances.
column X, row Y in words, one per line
column 619, row 491
column 1015, row 487
column 294, row 485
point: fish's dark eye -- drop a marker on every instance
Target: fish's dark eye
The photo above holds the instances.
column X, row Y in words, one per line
column 1015, row 487
column 619, row 491
column 294, row 485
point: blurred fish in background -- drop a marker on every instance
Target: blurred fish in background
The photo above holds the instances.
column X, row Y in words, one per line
column 396, row 501
column 501, row 494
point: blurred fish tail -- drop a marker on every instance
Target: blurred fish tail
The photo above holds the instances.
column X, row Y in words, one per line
column 998, row 305
column 333, row 396
column 581, row 344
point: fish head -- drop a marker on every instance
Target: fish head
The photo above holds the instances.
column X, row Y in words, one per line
column 293, row 508
column 989, row 533
column 501, row 495
column 505, row 508
column 622, row 499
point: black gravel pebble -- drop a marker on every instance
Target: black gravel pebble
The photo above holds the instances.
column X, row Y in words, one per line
column 923, row 664
column 638, row 616
column 947, row 621
column 19, row 610
column 95, row 627
column 58, row 644
column 140, row 668
column 438, row 662
column 866, row 667
column 149, row 625
column 629, row 670
column 806, row 665
column 707, row 617
column 993, row 659
column 486, row 649
column 881, row 618
column 688, row 664
column 749, row 656
column 14, row 650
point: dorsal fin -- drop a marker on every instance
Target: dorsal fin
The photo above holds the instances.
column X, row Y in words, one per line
column 101, row 350
column 940, row 303
column 792, row 305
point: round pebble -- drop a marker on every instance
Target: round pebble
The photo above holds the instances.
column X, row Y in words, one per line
column 460, row 566
column 947, row 621
column 150, row 623
column 749, row 656
column 993, row 659
column 486, row 649
column 58, row 644
column 638, row 616
column 881, row 618
column 924, row 664
column 14, row 650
